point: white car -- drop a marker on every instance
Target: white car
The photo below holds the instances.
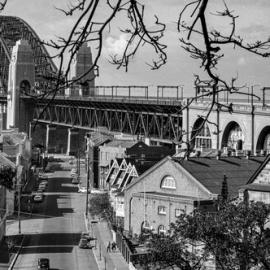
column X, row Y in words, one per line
column 38, row 197
column 42, row 176
column 82, row 189
column 73, row 172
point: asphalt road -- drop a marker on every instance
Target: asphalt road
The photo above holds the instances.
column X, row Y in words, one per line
column 54, row 230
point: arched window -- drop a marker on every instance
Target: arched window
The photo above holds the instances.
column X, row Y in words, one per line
column 168, row 182
column 25, row 87
column 201, row 136
column 161, row 229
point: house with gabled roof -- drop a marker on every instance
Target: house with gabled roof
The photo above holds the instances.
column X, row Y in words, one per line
column 108, row 152
column 135, row 150
column 258, row 186
column 159, row 195
column 122, row 173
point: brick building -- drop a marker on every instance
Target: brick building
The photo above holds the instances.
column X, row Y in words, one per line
column 160, row 194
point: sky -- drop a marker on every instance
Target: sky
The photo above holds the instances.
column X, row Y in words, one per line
column 253, row 23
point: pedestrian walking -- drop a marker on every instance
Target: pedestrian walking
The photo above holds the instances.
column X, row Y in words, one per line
column 113, row 246
column 109, row 247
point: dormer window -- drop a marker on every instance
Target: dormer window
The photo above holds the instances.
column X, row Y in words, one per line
column 168, row 182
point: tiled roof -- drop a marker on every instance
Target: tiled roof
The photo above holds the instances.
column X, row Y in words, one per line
column 99, row 139
column 5, row 161
column 210, row 171
column 257, row 187
column 122, row 143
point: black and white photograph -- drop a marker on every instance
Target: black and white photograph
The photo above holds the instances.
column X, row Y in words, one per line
column 135, row 134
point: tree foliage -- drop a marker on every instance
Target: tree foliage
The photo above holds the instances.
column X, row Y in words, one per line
column 7, row 175
column 100, row 206
column 237, row 236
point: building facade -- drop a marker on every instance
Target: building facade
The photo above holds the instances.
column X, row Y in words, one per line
column 108, row 152
column 173, row 185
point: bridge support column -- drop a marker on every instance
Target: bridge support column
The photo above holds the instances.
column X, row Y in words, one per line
column 3, row 117
column 20, row 81
column 72, row 141
column 50, row 134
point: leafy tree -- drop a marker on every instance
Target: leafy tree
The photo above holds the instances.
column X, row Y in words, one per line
column 237, row 236
column 100, row 206
column 224, row 189
column 7, row 175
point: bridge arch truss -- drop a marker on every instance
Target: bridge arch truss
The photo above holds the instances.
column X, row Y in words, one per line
column 13, row 29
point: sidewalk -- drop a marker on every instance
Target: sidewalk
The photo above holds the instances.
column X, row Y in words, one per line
column 105, row 260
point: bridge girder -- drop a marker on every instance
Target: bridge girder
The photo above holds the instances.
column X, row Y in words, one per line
column 159, row 126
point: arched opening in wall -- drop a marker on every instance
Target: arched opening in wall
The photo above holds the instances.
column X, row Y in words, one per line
column 263, row 142
column 25, row 87
column 145, row 227
column 233, row 137
column 200, row 137
column 161, row 230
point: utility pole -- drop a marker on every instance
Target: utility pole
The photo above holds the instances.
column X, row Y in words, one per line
column 19, row 207
column 87, row 183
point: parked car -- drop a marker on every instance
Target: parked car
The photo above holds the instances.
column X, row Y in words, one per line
column 38, row 197
column 44, row 182
column 82, row 189
column 86, row 236
column 84, row 243
column 73, row 170
column 42, row 175
column 44, row 263
column 71, row 161
column 42, row 186
column 75, row 180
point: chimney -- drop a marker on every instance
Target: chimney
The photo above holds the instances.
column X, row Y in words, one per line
column 218, row 154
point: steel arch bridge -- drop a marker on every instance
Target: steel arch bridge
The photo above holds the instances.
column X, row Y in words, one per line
column 13, row 29
column 157, row 119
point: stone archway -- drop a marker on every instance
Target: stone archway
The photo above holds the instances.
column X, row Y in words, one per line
column 263, row 142
column 233, row 137
column 200, row 138
column 25, row 87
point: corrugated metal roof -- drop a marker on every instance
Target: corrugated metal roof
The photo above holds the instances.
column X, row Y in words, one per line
column 210, row 171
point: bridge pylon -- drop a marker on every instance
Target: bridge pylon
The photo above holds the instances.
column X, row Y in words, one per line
column 20, row 82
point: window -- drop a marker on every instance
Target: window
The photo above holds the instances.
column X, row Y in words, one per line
column 168, row 182
column 162, row 210
column 161, row 229
column 178, row 212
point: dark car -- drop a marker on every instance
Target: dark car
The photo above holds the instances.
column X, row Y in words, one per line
column 83, row 243
column 44, row 263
